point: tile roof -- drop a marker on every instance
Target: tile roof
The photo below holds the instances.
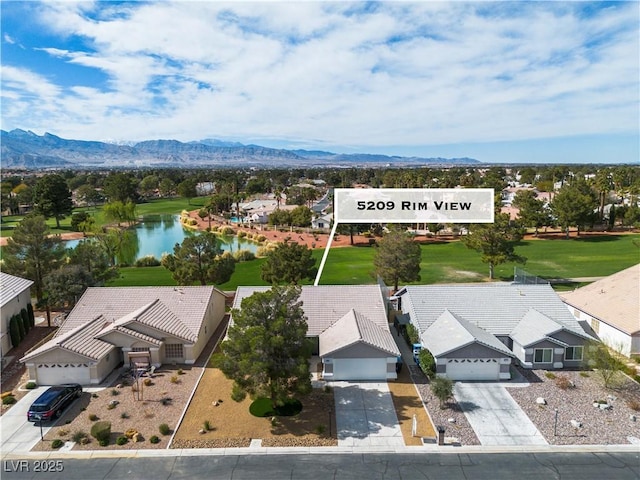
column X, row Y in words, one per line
column 615, row 299
column 78, row 340
column 450, row 332
column 325, row 304
column 184, row 304
column 177, row 311
column 495, row 307
column 11, row 286
column 354, row 328
column 535, row 327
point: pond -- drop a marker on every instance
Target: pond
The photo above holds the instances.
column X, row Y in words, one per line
column 157, row 235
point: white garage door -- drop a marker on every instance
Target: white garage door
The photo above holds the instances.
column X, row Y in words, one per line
column 359, row 369
column 52, row 374
column 473, row 369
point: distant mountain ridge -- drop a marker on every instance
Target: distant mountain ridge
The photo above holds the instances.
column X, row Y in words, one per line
column 25, row 149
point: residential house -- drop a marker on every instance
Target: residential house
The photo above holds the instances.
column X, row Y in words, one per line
column 349, row 328
column 477, row 331
column 136, row 326
column 611, row 308
column 15, row 295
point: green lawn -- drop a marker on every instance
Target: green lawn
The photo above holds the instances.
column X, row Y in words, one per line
column 153, row 207
column 444, row 263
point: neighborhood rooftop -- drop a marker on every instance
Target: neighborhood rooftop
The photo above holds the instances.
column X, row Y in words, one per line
column 10, row 286
column 614, row 299
column 324, row 304
column 496, row 307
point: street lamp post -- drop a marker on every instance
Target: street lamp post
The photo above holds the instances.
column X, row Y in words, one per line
column 555, row 423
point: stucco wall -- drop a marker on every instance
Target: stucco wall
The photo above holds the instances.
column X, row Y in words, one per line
column 213, row 316
column 359, row 351
column 474, row 350
column 9, row 310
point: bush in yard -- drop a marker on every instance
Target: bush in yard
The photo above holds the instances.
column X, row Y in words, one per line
column 244, row 255
column 93, row 417
column 104, row 443
column 30, row 385
column 442, row 388
column 164, row 429
column 411, row 335
column 25, row 320
column 9, row 400
column 101, row 431
column 57, row 443
column 154, row 439
column 121, row 440
column 427, row 363
column 147, row 261
column 78, row 436
column 32, row 317
column 550, row 375
column 563, row 382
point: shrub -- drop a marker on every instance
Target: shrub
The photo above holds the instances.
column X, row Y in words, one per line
column 180, row 371
column 154, row 439
column 166, row 401
column 227, row 231
column 124, row 415
column 14, row 331
column 57, row 443
column 130, row 433
column 101, row 431
column 78, row 436
column 207, row 426
column 147, row 382
column 147, row 261
column 242, row 234
column 25, row 320
column 114, row 392
column 584, row 374
column 244, row 256
column 634, row 405
column 9, row 400
column 320, row 429
column 563, row 383
column 94, row 395
column 411, row 335
column 62, row 432
column 261, row 238
column 111, row 406
column 121, row 440
column 164, row 429
column 174, row 379
column 550, row 375
column 30, row 385
column 427, row 363
column 442, row 388
column 93, row 417
column 32, row 317
column 104, row 443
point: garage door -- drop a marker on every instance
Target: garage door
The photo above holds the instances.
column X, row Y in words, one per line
column 473, row 369
column 53, row 374
column 359, row 369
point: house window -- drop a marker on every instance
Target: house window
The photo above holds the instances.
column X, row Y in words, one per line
column 543, row 355
column 573, row 353
column 174, row 350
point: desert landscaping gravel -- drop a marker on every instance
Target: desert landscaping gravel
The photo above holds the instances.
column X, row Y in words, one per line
column 614, row 425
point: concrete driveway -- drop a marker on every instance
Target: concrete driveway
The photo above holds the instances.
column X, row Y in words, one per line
column 19, row 435
column 365, row 415
column 495, row 416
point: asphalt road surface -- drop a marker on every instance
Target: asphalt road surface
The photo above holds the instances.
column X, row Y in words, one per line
column 369, row 466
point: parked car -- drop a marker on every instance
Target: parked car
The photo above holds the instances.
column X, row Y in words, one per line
column 53, row 401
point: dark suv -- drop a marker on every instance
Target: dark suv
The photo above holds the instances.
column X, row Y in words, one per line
column 53, row 401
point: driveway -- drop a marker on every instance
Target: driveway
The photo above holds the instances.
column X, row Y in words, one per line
column 19, row 435
column 495, row 416
column 365, row 415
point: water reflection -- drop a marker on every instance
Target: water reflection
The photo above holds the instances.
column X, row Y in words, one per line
column 157, row 235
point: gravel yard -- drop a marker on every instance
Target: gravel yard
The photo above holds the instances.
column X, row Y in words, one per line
column 599, row 427
column 459, row 428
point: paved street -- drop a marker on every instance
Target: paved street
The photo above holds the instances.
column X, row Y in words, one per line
column 382, row 466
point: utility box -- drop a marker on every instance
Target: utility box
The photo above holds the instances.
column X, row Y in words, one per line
column 440, row 430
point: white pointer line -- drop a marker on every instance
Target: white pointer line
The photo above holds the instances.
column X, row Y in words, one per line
column 326, row 253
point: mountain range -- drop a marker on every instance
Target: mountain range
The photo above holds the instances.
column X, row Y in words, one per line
column 22, row 149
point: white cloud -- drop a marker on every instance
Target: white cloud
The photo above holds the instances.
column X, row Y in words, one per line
column 406, row 73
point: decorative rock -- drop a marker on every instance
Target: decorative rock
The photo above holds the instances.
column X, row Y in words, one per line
column 215, row 403
column 541, row 401
column 135, row 438
column 596, row 405
column 605, row 406
column 451, row 420
column 632, row 417
column 612, row 398
column 201, row 431
column 114, row 402
column 576, row 424
column 119, row 385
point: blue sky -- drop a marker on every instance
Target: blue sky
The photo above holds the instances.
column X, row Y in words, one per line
column 497, row 81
